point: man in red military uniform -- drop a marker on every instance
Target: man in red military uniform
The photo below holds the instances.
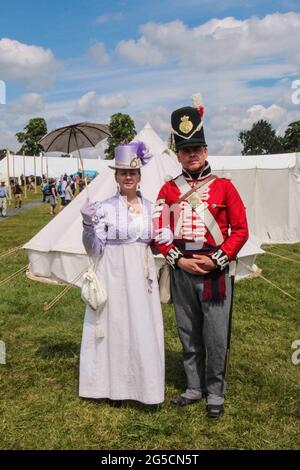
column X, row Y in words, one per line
column 202, row 225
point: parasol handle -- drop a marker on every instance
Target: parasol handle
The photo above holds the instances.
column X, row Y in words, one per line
column 82, row 166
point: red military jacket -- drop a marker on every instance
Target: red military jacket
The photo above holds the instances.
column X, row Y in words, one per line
column 217, row 221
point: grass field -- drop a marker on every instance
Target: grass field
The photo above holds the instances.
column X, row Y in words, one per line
column 40, row 408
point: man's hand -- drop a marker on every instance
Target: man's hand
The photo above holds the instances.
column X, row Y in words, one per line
column 192, row 266
column 205, row 262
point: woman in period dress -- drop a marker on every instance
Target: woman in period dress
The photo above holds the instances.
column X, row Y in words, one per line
column 127, row 363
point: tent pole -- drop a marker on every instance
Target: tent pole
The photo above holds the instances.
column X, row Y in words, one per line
column 14, row 173
column 47, row 173
column 8, row 180
column 34, row 162
column 24, row 172
column 42, row 169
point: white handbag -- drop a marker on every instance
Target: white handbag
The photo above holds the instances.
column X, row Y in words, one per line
column 92, row 292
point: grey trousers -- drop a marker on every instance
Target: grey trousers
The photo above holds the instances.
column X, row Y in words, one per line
column 203, row 329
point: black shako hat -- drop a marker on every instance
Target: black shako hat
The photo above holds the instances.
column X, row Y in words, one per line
column 187, row 124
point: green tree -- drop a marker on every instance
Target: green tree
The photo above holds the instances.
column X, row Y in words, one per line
column 122, row 130
column 291, row 139
column 34, row 131
column 261, row 139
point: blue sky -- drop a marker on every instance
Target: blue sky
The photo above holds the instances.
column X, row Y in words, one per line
column 85, row 60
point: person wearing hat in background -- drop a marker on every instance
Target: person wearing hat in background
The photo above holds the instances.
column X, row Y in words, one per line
column 3, row 199
column 127, row 361
column 206, row 222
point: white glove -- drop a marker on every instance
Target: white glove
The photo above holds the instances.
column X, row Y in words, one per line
column 164, row 236
column 88, row 212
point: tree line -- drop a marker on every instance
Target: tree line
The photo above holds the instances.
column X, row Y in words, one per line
column 261, row 139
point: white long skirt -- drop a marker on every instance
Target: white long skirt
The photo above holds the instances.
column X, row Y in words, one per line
column 128, row 362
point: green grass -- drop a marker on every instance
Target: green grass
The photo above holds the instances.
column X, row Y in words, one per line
column 40, row 407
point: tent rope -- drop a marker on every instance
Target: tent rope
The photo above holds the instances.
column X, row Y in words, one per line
column 10, row 251
column 280, row 256
column 12, row 276
column 258, row 274
column 54, row 301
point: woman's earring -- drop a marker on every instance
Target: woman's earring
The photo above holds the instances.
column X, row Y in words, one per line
column 139, row 187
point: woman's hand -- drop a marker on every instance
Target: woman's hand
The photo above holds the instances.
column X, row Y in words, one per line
column 88, row 212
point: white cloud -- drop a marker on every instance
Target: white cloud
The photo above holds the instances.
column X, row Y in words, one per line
column 18, row 112
column 235, row 118
column 98, row 53
column 31, row 103
column 273, row 113
column 158, row 117
column 9, row 140
column 109, row 17
column 218, row 43
column 225, row 147
column 90, row 103
column 33, row 64
column 140, row 52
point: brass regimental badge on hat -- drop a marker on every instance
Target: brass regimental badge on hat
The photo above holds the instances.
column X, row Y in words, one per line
column 186, row 125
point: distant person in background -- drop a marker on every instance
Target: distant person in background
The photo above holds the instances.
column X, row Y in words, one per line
column 63, row 190
column 81, row 184
column 30, row 185
column 68, row 193
column 53, row 196
column 17, row 192
column 3, row 199
column 44, row 189
column 59, row 186
column 73, row 185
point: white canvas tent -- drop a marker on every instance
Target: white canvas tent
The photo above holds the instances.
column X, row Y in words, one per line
column 57, row 252
column 54, row 167
column 270, row 188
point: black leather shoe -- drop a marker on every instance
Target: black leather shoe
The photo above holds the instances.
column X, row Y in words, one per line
column 182, row 401
column 214, row 411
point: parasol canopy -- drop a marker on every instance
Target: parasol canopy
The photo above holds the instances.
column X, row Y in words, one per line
column 74, row 137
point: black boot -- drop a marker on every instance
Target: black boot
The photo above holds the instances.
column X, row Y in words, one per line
column 214, row 411
column 183, row 401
